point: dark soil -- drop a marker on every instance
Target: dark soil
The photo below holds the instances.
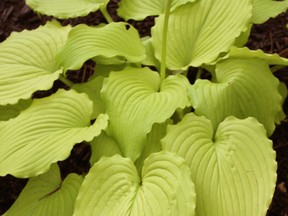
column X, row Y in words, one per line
column 272, row 37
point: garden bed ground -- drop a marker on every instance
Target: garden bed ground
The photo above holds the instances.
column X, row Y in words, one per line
column 272, row 37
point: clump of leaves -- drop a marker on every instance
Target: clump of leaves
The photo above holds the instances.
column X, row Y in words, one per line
column 151, row 155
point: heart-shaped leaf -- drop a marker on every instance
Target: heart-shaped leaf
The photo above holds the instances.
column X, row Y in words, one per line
column 114, row 39
column 233, row 167
column 135, row 99
column 198, row 32
column 27, row 61
column 265, row 9
column 113, row 187
column 64, row 9
column 241, row 88
column 45, row 133
column 46, row 194
column 139, row 10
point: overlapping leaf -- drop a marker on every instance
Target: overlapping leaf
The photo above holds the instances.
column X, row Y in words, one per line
column 265, row 9
column 241, row 88
column 198, row 32
column 246, row 53
column 11, row 111
column 135, row 99
column 64, row 9
column 103, row 146
column 113, row 187
column 150, row 60
column 233, row 167
column 152, row 143
column 114, row 39
column 27, row 61
column 92, row 89
column 46, row 194
column 46, row 132
column 138, row 10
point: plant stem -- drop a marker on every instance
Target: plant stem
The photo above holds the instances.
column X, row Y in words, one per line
column 66, row 81
column 106, row 14
column 276, row 68
column 199, row 72
column 164, row 40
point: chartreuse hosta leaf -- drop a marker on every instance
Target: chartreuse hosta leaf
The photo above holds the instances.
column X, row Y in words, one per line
column 135, row 99
column 64, row 9
column 150, row 60
column 47, row 194
column 114, row 39
column 265, row 9
column 244, row 53
column 11, row 111
column 139, row 10
column 241, row 88
column 46, row 132
column 152, row 143
column 113, row 187
column 198, row 32
column 233, row 167
column 92, row 89
column 103, row 145
column 27, row 61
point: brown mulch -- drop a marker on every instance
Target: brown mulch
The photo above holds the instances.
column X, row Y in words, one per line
column 272, row 37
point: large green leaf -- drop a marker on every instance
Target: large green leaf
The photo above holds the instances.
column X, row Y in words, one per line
column 27, row 61
column 139, row 10
column 47, row 194
column 233, row 167
column 242, row 88
column 46, row 132
column 198, row 32
column 114, row 39
column 265, row 9
column 64, row 9
column 113, row 187
column 135, row 99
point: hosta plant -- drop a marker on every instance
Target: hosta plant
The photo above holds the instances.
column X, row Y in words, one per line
column 161, row 144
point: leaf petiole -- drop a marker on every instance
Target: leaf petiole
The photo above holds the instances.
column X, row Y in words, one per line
column 106, row 14
column 66, row 81
column 164, row 40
